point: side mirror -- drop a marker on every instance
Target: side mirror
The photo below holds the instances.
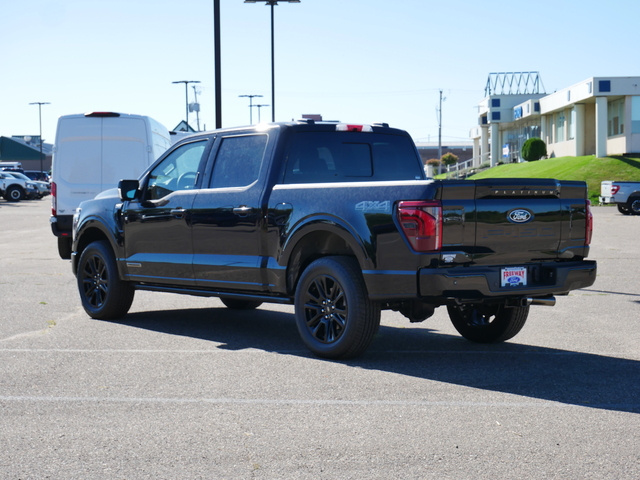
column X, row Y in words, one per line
column 128, row 189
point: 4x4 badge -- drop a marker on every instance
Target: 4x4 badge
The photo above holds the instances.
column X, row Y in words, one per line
column 520, row 216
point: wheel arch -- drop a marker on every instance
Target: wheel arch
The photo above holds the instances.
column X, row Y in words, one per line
column 317, row 239
column 93, row 230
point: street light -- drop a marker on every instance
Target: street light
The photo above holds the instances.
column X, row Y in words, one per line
column 258, row 107
column 40, row 121
column 186, row 97
column 272, row 3
column 251, row 97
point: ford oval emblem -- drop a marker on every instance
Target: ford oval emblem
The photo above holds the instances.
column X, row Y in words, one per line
column 520, row 216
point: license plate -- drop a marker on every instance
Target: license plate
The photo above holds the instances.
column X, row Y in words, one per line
column 513, row 277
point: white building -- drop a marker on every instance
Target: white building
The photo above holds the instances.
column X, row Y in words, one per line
column 599, row 116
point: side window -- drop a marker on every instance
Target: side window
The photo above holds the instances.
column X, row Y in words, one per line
column 238, row 161
column 177, row 171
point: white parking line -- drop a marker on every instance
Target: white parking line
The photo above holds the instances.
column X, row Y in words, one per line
column 293, row 402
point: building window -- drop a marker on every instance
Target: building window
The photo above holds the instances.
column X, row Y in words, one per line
column 615, row 114
column 495, row 102
column 559, row 121
column 495, row 115
column 536, row 106
column 604, row 86
column 572, row 124
column 635, row 114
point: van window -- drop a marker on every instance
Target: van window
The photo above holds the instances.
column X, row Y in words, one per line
column 177, row 171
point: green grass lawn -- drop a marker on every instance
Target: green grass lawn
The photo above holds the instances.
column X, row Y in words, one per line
column 589, row 169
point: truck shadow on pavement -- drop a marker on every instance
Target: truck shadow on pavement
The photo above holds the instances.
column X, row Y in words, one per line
column 564, row 376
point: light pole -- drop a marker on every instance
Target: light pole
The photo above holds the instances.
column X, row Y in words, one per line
column 186, row 96
column 259, row 107
column 40, row 122
column 272, row 3
column 251, row 97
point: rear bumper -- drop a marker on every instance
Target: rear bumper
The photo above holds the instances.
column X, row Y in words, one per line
column 550, row 278
column 61, row 225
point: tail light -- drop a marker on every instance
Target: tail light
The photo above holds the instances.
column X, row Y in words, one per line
column 588, row 224
column 421, row 223
column 615, row 189
column 54, row 199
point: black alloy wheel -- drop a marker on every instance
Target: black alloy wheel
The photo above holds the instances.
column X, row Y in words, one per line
column 334, row 315
column 104, row 296
column 488, row 323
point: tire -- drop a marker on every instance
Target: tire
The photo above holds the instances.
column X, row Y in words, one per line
column 64, row 247
column 240, row 304
column 14, row 194
column 104, row 296
column 488, row 323
column 622, row 208
column 633, row 205
column 334, row 315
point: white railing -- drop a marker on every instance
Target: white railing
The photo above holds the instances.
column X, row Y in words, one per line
column 468, row 167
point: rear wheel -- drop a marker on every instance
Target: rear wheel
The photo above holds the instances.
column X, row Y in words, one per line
column 240, row 304
column 104, row 296
column 488, row 323
column 64, row 247
column 633, row 205
column 622, row 208
column 334, row 315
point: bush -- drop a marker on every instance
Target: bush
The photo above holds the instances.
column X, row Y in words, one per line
column 534, row 149
column 433, row 161
column 449, row 159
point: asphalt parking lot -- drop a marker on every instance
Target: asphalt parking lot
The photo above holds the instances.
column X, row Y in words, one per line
column 183, row 388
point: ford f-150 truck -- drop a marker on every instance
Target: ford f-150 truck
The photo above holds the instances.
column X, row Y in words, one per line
column 340, row 221
column 626, row 195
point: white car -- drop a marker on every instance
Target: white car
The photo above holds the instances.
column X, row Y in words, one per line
column 44, row 188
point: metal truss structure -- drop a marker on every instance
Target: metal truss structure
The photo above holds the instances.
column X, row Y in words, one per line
column 513, row 83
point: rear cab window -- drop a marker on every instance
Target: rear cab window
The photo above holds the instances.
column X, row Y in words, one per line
column 324, row 157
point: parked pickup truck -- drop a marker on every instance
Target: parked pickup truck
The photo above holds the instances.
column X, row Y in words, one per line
column 340, row 221
column 626, row 195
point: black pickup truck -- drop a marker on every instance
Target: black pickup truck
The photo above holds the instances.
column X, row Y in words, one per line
column 340, row 221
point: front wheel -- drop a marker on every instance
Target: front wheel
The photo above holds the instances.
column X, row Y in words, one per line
column 104, row 296
column 334, row 315
column 14, row 194
column 488, row 323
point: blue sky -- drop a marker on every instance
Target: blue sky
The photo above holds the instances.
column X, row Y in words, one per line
column 350, row 60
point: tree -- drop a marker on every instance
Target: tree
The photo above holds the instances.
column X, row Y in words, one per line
column 449, row 159
column 533, row 149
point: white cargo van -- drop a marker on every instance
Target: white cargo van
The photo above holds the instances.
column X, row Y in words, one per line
column 92, row 153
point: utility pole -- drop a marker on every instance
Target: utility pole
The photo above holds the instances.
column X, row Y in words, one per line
column 40, row 121
column 196, row 106
column 186, row 97
column 250, row 97
column 440, row 133
column 217, row 61
column 259, row 107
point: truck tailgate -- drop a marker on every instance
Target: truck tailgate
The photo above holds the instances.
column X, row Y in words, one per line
column 523, row 220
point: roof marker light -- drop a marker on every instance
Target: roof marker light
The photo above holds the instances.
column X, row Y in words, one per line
column 345, row 127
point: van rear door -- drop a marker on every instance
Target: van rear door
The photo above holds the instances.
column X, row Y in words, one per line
column 124, row 150
column 78, row 153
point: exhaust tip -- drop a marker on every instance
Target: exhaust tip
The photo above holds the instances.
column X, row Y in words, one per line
column 545, row 302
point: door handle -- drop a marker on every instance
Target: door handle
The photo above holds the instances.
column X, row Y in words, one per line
column 242, row 210
column 178, row 212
